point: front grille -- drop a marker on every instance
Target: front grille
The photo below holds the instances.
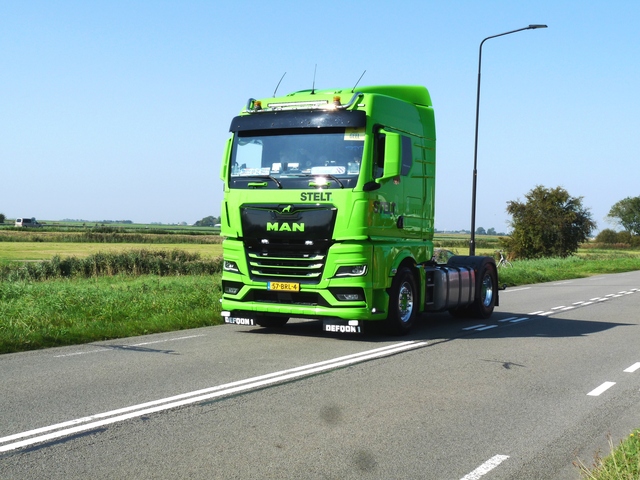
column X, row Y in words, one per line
column 287, row 242
column 287, row 261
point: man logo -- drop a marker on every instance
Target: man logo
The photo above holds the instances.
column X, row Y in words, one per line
column 287, row 209
column 285, row 227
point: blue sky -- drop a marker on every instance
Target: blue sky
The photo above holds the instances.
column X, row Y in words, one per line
column 120, row 109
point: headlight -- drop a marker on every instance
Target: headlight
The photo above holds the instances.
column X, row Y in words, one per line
column 352, row 271
column 230, row 266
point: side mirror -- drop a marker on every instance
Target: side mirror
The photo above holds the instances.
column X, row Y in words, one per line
column 225, row 161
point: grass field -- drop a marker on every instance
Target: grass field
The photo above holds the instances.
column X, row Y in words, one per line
column 29, row 251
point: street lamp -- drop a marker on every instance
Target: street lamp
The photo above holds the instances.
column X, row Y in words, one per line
column 472, row 242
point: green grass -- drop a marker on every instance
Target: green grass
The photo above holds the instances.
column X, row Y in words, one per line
column 73, row 311
column 554, row 269
column 623, row 462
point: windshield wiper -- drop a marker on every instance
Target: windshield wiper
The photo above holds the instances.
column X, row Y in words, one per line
column 262, row 176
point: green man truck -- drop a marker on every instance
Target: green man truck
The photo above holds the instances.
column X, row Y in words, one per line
column 328, row 214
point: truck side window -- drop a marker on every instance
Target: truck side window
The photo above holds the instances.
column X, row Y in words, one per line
column 407, row 155
column 378, row 161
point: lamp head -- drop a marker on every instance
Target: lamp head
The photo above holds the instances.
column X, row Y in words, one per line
column 532, row 27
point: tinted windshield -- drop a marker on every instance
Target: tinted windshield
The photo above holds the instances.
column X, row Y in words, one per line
column 333, row 152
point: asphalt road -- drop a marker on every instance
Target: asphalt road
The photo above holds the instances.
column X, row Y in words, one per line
column 544, row 382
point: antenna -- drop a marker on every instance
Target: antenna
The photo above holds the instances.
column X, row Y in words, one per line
column 354, row 87
column 313, row 88
column 274, row 92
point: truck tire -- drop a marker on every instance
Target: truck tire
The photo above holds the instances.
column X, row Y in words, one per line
column 403, row 303
column 486, row 291
column 272, row 322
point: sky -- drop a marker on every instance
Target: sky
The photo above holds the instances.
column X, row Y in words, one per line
column 119, row 110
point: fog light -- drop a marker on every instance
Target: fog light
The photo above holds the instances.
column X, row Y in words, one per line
column 348, row 294
column 349, row 297
column 231, row 288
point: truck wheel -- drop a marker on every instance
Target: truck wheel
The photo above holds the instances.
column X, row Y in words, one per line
column 272, row 322
column 403, row 297
column 487, row 291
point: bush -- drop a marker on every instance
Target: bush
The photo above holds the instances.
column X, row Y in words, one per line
column 133, row 262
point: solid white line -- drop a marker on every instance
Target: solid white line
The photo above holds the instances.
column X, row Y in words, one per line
column 536, row 313
column 509, row 290
column 547, row 313
column 632, row 368
column 198, row 396
column 485, row 468
column 601, row 389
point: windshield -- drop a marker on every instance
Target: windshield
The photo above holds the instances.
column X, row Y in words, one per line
column 282, row 155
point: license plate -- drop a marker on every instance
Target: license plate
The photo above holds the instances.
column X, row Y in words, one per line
column 283, row 286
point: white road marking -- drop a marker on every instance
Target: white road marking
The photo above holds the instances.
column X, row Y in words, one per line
column 632, row 368
column 124, row 347
column 519, row 319
column 485, row 468
column 601, row 389
column 474, row 327
column 71, row 427
column 558, row 308
column 486, row 328
column 509, row 290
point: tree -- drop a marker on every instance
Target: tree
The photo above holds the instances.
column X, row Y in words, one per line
column 2, row 217
column 626, row 212
column 209, row 221
column 551, row 223
column 491, row 231
column 481, row 231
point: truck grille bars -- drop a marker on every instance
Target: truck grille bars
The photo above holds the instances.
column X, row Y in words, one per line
column 287, row 241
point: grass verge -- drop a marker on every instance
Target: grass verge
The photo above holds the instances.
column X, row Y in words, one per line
column 526, row 272
column 73, row 311
column 623, row 463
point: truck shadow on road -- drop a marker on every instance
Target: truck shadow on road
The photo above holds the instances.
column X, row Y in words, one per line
column 443, row 327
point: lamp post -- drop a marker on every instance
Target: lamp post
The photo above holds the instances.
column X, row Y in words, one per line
column 472, row 242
